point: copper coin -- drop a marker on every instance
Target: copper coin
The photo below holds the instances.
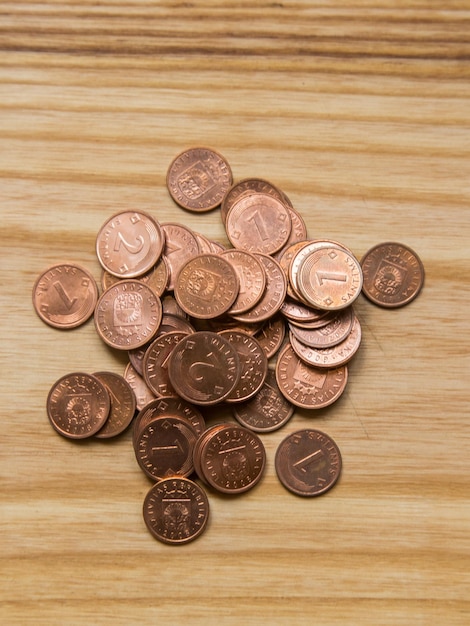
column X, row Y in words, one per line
column 233, row 459
column 296, row 254
column 285, row 258
column 198, row 179
column 308, row 462
column 267, row 411
column 204, row 368
column 273, row 296
column 123, row 404
column 164, row 447
column 258, row 223
column 129, row 244
column 142, row 393
column 330, row 334
column 251, row 279
column 253, row 365
column 78, row 405
column 271, row 335
column 302, row 314
column 168, row 406
column 330, row 278
column 108, row 280
column 176, row 510
column 248, row 186
column 128, row 315
column 157, row 277
column 155, row 363
column 206, row 286
column 298, row 231
column 180, row 245
column 199, row 445
column 171, row 307
column 306, row 386
column 332, row 356
column 65, row 295
column 393, row 274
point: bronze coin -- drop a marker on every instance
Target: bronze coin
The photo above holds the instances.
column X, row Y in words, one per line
column 332, row 356
column 168, row 406
column 65, row 295
column 181, row 244
column 123, row 404
column 206, row 286
column 258, row 223
column 306, row 386
column 171, row 307
column 330, row 278
column 176, row 510
column 157, row 277
column 129, row 244
column 155, row 363
column 267, row 411
column 271, row 335
column 164, row 447
column 78, row 405
column 233, row 459
column 142, row 393
column 108, row 280
column 393, row 274
column 251, row 279
column 253, row 365
column 128, row 315
column 273, row 296
column 301, row 314
column 201, row 441
column 204, row 368
column 329, row 334
column 248, row 186
column 308, row 462
column 198, row 179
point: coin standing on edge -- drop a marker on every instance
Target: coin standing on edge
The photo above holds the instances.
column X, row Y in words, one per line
column 308, row 462
column 198, row 179
column 123, row 404
column 78, row 405
column 393, row 274
column 176, row 510
column 65, row 295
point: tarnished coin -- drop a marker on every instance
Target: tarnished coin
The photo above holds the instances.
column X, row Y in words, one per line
column 78, row 405
column 206, row 286
column 181, row 244
column 331, row 356
column 308, row 462
column 128, row 315
column 65, row 295
column 164, row 447
column 129, row 244
column 142, row 393
column 204, row 368
column 232, row 459
column 251, row 279
column 155, row 363
column 268, row 410
column 176, row 510
column 330, row 278
column 123, row 404
column 198, row 179
column 393, row 274
column 273, row 295
column 306, row 386
column 258, row 223
column 253, row 365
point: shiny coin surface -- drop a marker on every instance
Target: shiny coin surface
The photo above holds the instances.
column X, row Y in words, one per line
column 129, row 244
column 78, row 405
column 307, row 386
column 65, row 295
column 143, row 395
column 206, row 286
column 155, row 363
column 176, row 510
column 181, row 244
column 123, row 404
column 248, row 186
column 393, row 275
column 251, row 279
column 204, row 368
column 128, row 315
column 198, row 179
column 308, row 462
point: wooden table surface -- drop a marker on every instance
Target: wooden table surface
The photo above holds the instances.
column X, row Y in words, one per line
column 360, row 112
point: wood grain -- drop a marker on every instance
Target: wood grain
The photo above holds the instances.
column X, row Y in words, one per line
column 360, row 112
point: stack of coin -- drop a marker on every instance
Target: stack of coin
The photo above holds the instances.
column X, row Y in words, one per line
column 261, row 326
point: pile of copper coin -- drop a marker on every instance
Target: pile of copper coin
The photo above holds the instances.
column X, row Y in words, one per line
column 258, row 327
